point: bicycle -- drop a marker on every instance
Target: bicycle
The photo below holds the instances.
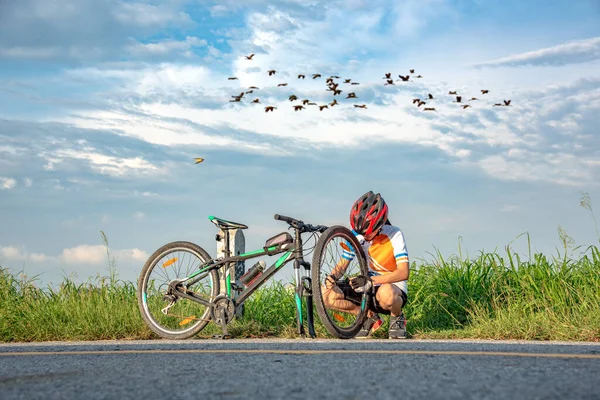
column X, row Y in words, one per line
column 219, row 308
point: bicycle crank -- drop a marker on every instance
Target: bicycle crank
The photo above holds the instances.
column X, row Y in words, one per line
column 222, row 312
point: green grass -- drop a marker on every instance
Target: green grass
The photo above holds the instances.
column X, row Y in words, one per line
column 491, row 296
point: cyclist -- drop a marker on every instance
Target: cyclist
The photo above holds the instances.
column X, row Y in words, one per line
column 387, row 257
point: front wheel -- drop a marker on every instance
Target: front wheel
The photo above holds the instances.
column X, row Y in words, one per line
column 167, row 316
column 341, row 311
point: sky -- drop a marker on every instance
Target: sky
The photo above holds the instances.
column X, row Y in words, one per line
column 105, row 103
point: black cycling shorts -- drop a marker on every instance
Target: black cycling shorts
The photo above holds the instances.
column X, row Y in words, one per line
column 372, row 304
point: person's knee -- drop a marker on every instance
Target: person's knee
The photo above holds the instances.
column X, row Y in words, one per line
column 330, row 297
column 387, row 296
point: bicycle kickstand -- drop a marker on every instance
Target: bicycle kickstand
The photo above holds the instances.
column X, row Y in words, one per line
column 225, row 334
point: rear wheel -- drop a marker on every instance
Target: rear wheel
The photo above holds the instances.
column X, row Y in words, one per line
column 328, row 253
column 185, row 318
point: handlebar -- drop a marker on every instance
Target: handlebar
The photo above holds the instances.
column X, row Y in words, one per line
column 298, row 224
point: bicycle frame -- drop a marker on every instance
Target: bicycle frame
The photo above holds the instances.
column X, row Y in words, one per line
column 292, row 251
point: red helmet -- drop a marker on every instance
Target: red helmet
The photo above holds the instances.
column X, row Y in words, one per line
column 368, row 213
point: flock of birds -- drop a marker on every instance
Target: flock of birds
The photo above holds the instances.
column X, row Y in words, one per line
column 334, row 87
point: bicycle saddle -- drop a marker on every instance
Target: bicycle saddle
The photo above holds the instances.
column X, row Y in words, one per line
column 224, row 224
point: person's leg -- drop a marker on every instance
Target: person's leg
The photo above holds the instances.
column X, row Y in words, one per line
column 373, row 321
column 390, row 297
column 334, row 298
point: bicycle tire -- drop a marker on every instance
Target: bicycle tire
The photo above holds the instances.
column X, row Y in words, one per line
column 142, row 281
column 330, row 326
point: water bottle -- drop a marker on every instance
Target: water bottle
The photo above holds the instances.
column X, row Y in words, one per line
column 253, row 273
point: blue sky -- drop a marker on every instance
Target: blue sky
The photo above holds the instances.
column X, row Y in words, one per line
column 105, row 103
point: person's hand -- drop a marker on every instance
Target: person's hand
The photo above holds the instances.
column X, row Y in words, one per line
column 361, row 283
column 330, row 281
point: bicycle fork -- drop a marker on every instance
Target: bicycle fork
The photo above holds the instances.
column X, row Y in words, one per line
column 304, row 289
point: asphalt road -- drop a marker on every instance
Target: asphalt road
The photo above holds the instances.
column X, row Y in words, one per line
column 300, row 369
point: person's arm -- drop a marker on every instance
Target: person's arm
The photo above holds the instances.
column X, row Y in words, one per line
column 347, row 256
column 401, row 273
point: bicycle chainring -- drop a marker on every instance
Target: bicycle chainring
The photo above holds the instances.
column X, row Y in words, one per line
column 222, row 302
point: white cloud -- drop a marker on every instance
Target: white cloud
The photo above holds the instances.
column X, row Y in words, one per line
column 38, row 257
column 13, row 252
column 577, row 51
column 96, row 255
column 166, row 47
column 7, row 183
column 78, row 255
column 290, row 41
column 108, row 165
column 84, row 254
column 145, row 15
column 562, row 169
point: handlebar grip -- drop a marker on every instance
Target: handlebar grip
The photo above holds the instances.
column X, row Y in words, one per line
column 284, row 218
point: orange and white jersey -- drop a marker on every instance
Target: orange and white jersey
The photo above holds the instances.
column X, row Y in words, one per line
column 383, row 253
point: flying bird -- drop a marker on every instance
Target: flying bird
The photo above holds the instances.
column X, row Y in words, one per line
column 250, row 91
column 232, row 78
column 452, row 92
column 465, row 106
column 412, row 71
column 355, row 83
column 271, row 72
column 198, row 160
column 282, row 84
column 250, row 56
column 429, row 109
column 270, row 108
column 347, row 80
column 484, row 91
column 293, row 97
column 333, row 103
column 416, row 101
column 421, row 103
column 301, row 76
column 506, row 102
column 360, row 105
column 337, row 91
column 473, row 98
column 351, row 95
column 334, row 77
column 404, row 78
column 389, row 82
column 298, row 108
column 388, row 75
column 305, row 101
column 458, row 99
column 252, row 87
column 315, row 76
column 256, row 101
column 419, row 76
column 497, row 104
column 322, row 107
